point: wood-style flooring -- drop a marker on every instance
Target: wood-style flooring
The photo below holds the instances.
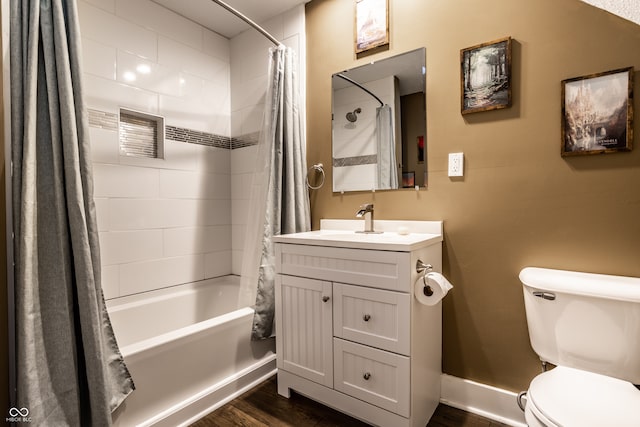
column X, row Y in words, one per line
column 263, row 406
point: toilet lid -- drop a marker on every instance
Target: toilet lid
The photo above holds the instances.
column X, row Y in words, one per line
column 571, row 397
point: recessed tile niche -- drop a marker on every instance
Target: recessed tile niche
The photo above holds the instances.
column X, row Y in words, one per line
column 141, row 134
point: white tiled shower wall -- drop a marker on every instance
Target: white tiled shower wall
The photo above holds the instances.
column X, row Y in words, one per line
column 168, row 221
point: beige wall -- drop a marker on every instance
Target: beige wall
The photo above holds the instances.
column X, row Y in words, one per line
column 520, row 203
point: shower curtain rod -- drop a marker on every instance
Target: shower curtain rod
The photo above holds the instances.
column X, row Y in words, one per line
column 248, row 21
column 353, row 82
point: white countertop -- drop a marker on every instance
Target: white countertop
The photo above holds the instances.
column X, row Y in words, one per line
column 342, row 234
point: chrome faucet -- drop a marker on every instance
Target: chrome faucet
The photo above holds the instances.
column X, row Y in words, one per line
column 366, row 211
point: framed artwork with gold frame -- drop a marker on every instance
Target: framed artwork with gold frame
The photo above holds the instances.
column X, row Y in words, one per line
column 597, row 113
column 371, row 24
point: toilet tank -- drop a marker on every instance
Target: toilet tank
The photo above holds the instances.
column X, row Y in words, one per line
column 585, row 321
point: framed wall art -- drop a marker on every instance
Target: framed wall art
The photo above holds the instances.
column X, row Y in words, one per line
column 372, row 24
column 485, row 76
column 408, row 179
column 597, row 113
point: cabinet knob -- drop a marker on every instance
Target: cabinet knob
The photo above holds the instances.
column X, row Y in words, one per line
column 366, row 317
column 366, row 376
column 325, row 298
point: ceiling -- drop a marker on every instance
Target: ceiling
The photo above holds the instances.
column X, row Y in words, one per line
column 408, row 67
column 627, row 9
column 214, row 17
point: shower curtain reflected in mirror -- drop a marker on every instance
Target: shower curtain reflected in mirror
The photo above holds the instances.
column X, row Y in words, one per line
column 279, row 198
column 69, row 368
column 385, row 142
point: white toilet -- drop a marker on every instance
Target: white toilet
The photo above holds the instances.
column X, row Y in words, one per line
column 588, row 325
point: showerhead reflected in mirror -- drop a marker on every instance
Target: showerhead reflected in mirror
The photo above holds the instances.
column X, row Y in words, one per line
column 384, row 134
column 352, row 115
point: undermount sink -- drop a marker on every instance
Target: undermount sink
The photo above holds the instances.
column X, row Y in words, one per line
column 391, row 235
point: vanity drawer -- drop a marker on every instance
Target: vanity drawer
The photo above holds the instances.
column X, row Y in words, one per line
column 373, row 317
column 375, row 376
column 373, row 268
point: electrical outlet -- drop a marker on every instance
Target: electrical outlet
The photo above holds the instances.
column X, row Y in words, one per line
column 456, row 164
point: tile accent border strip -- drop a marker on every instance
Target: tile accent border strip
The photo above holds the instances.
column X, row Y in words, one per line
column 339, row 162
column 245, row 140
column 197, row 137
column 204, row 138
column 109, row 121
column 103, row 120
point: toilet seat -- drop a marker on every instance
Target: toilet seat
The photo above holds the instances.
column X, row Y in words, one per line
column 570, row 397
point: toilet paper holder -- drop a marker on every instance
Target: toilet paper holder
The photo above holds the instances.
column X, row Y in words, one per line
column 422, row 267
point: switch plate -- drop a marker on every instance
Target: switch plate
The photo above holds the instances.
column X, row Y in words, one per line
column 456, row 164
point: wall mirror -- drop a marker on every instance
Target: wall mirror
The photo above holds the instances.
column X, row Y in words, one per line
column 379, row 125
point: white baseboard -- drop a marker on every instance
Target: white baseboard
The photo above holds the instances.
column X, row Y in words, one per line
column 481, row 399
column 490, row 402
column 195, row 407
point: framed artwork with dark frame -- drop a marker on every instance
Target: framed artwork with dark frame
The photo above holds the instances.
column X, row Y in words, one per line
column 597, row 113
column 408, row 179
column 372, row 24
column 485, row 76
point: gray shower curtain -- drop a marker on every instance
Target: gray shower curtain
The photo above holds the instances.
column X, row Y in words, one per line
column 385, row 142
column 286, row 206
column 69, row 368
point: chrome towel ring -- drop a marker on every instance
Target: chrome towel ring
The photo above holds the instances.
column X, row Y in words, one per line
column 318, row 168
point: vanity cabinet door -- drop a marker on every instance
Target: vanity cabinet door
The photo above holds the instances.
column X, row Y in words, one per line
column 304, row 328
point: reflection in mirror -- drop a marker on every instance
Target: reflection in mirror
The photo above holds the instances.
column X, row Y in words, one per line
column 379, row 124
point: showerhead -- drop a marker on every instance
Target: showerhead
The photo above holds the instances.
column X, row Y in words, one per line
column 351, row 115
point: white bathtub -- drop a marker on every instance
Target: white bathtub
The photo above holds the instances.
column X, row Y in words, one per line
column 189, row 351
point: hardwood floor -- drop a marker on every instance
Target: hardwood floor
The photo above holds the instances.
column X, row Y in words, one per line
column 262, row 406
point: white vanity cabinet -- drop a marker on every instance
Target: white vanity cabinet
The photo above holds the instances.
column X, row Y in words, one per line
column 349, row 332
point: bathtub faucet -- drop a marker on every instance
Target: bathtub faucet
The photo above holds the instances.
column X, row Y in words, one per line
column 366, row 211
